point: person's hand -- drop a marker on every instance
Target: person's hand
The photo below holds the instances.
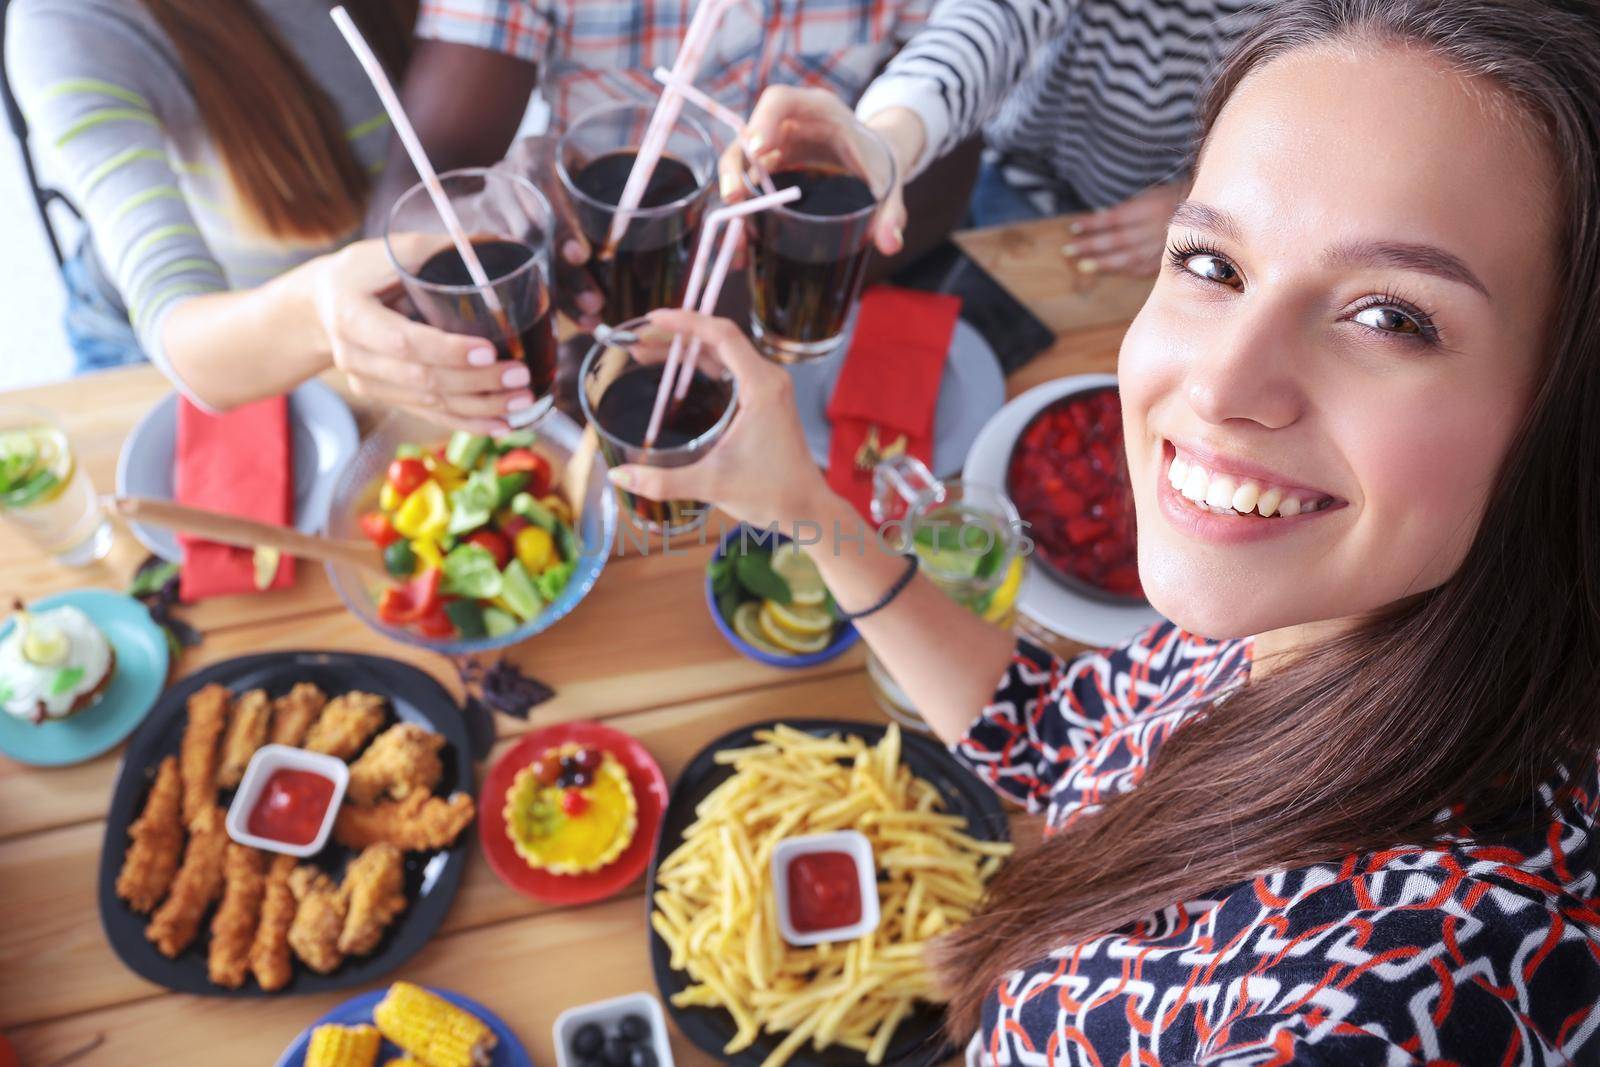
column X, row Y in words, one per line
column 1128, row 238
column 761, row 472
column 449, row 378
column 576, row 294
column 784, row 111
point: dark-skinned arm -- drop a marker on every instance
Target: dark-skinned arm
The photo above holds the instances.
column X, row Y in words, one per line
column 466, row 104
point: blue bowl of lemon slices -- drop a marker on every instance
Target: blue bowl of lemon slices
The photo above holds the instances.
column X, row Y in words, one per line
column 768, row 600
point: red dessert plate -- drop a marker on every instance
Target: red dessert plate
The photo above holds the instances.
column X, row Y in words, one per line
column 649, row 790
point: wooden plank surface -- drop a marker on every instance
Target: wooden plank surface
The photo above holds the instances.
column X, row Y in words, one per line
column 641, row 652
column 1026, row 258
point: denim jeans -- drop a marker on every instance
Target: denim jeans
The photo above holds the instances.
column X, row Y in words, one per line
column 995, row 202
column 95, row 320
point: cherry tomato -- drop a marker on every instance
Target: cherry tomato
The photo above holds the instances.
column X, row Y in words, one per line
column 527, row 461
column 436, row 623
column 379, row 530
column 497, row 545
column 513, row 525
column 424, row 591
column 406, row 475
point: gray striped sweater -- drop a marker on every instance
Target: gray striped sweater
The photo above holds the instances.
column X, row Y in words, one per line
column 1093, row 96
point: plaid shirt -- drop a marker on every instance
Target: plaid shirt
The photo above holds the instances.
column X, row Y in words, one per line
column 593, row 52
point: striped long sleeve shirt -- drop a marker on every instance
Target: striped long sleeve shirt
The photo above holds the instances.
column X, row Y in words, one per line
column 113, row 115
column 1092, row 96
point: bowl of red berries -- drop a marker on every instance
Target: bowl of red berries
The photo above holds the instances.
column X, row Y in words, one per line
column 1069, row 480
column 1057, row 451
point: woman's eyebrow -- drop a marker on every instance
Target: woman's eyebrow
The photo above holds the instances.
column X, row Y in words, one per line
column 1404, row 255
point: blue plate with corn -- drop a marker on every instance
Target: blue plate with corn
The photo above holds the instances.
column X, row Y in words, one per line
column 425, row 1026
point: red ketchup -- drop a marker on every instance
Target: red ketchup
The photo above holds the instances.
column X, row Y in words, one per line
column 824, row 891
column 291, row 807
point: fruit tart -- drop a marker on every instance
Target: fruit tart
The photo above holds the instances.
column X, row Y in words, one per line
column 572, row 810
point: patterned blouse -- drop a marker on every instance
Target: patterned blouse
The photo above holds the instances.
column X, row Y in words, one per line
column 1460, row 954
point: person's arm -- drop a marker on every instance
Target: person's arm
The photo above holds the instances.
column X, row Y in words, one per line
column 947, row 659
column 955, row 73
column 466, row 103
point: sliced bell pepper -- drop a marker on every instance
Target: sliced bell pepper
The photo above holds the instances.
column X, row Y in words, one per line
column 425, row 514
column 407, row 603
column 436, row 623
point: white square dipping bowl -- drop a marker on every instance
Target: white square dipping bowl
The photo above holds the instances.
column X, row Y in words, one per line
column 267, row 760
column 607, row 1014
column 858, row 848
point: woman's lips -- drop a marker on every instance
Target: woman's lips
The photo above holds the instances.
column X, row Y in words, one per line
column 1226, row 508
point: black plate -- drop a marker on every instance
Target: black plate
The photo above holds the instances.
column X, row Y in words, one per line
column 918, row 1042
column 431, row 877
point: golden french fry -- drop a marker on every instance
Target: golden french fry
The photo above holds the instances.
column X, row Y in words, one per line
column 716, row 911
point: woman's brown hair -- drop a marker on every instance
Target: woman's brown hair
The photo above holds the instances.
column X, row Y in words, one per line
column 1467, row 698
column 278, row 134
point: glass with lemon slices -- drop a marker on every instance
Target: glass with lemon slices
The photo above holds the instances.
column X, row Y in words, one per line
column 44, row 493
column 968, row 541
column 772, row 597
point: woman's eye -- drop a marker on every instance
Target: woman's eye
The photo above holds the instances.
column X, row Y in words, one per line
column 1212, row 269
column 1389, row 320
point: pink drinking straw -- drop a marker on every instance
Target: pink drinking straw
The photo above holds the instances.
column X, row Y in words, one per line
column 732, row 238
column 723, row 114
column 419, row 159
column 702, row 256
column 702, row 25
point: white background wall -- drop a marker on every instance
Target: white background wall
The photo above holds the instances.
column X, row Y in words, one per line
column 33, row 348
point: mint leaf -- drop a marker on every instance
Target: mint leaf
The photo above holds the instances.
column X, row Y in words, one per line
column 755, row 573
column 66, row 680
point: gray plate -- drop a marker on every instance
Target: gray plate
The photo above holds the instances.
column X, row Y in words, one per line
column 322, row 437
column 972, row 389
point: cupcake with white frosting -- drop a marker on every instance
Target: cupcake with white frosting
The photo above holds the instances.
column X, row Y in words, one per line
column 53, row 664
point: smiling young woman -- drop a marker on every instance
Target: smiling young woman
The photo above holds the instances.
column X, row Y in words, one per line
column 1353, row 823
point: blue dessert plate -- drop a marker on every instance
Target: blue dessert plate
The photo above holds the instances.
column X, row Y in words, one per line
column 357, row 1010
column 137, row 679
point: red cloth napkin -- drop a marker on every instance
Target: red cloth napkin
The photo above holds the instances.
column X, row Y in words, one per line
column 238, row 463
column 889, row 382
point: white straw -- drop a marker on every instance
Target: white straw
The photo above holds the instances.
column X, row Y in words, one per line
column 691, row 296
column 701, row 26
column 723, row 114
column 731, row 239
column 419, row 158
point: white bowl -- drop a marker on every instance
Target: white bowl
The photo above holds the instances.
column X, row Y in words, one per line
column 271, row 758
column 1050, row 603
column 607, row 1013
column 859, row 849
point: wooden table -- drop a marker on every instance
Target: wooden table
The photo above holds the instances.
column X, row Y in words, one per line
column 640, row 653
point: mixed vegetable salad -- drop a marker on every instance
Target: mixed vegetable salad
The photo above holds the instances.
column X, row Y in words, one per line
column 475, row 534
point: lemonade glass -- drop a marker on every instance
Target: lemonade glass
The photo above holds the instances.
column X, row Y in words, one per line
column 969, row 542
column 44, row 492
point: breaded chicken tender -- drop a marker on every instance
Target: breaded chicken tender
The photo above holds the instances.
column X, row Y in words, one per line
column 374, row 891
column 346, row 724
column 269, row 951
column 197, row 755
column 419, row 823
column 247, row 731
column 157, row 842
column 196, row 885
column 233, row 928
column 403, row 758
column 294, row 712
column 318, row 919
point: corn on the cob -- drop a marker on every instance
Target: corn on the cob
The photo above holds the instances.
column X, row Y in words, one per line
column 432, row 1029
column 343, row 1046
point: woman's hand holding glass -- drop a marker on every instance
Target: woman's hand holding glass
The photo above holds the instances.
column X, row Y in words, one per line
column 782, row 107
column 761, row 472
column 454, row 380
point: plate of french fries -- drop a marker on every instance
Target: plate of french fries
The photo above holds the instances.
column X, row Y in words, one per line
column 731, row 982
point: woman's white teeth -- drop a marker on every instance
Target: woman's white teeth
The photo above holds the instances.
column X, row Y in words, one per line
column 1225, row 492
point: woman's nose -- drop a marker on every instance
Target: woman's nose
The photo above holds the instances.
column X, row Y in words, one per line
column 1248, row 371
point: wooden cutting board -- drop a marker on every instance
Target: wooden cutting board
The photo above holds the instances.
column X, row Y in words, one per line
column 1026, row 258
